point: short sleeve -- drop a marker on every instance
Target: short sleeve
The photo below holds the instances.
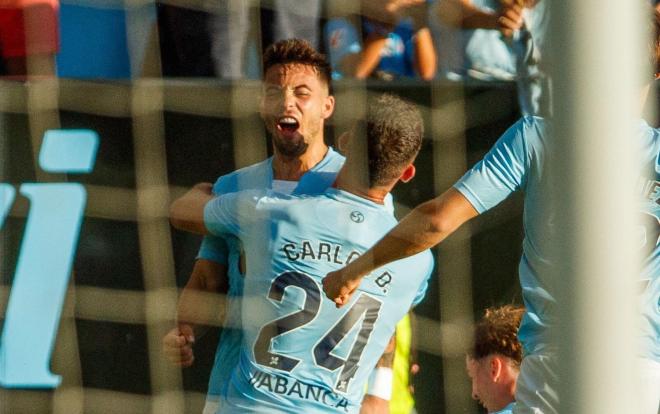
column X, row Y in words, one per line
column 215, row 248
column 502, row 170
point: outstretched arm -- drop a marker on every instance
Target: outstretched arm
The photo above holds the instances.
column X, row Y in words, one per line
column 424, row 227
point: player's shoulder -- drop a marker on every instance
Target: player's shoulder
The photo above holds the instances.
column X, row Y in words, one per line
column 529, row 134
column 253, row 176
column 275, row 201
column 534, row 126
column 332, row 161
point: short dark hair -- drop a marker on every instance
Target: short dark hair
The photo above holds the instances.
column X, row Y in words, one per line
column 394, row 129
column 297, row 51
column 497, row 333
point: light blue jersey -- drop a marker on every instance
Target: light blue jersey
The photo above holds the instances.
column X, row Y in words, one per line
column 649, row 186
column 516, row 162
column 300, row 354
column 506, row 410
column 226, row 250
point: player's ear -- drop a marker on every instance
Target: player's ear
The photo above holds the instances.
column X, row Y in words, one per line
column 328, row 106
column 408, row 173
column 342, row 142
column 495, row 365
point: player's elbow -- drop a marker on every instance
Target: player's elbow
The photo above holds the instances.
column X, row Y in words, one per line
column 177, row 217
column 441, row 226
column 440, row 218
column 180, row 216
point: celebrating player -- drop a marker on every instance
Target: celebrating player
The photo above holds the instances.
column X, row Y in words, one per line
column 516, row 162
column 300, row 353
column 295, row 103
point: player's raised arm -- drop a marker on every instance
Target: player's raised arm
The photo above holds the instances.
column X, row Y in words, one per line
column 424, row 227
column 187, row 211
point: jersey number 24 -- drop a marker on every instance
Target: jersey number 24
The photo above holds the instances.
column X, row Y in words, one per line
column 364, row 305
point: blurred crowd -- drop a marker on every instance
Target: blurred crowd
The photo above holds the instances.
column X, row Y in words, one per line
column 489, row 40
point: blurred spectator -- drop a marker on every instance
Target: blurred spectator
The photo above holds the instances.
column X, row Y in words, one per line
column 229, row 29
column 493, row 362
column 232, row 33
column 185, row 45
column 396, row 42
column 287, row 19
column 496, row 40
column 28, row 37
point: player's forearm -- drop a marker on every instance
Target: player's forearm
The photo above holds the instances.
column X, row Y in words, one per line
column 411, row 236
column 202, row 300
column 188, row 312
column 387, row 359
column 201, row 310
column 424, row 227
column 379, row 390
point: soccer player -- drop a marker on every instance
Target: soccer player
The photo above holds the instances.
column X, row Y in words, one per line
column 493, row 363
column 516, row 162
column 295, row 104
column 299, row 352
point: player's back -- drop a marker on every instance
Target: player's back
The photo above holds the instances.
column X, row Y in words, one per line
column 300, row 353
column 227, row 250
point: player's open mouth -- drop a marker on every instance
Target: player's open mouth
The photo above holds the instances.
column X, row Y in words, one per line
column 287, row 124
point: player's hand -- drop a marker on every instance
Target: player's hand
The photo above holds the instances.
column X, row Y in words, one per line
column 339, row 289
column 177, row 345
column 510, row 19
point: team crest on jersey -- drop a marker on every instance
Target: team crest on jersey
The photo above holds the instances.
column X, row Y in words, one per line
column 384, row 280
column 357, row 217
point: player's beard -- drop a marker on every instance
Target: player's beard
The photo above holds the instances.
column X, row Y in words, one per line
column 290, row 148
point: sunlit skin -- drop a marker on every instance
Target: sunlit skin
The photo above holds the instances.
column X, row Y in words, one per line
column 294, row 106
column 493, row 381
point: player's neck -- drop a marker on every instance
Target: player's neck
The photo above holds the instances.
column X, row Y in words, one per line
column 292, row 168
column 346, row 181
